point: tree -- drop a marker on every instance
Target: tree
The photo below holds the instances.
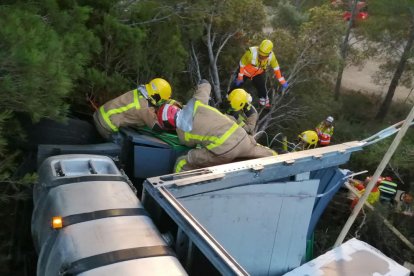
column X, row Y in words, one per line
column 344, row 49
column 308, row 57
column 391, row 26
column 31, row 63
column 225, row 24
column 139, row 41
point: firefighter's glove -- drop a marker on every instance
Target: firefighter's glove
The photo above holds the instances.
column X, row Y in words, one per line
column 238, row 82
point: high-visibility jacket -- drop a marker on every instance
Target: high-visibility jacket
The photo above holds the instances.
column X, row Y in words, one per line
column 246, row 117
column 130, row 109
column 203, row 125
column 324, row 133
column 251, row 66
column 387, row 189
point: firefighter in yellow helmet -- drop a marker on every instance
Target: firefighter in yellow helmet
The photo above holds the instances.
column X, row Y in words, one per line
column 240, row 109
column 307, row 139
column 252, row 66
column 217, row 139
column 133, row 108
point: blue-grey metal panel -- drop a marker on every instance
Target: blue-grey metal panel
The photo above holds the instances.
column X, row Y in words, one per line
column 142, row 139
column 150, row 161
column 208, row 186
column 108, row 149
column 331, row 180
column 267, row 221
column 213, row 251
column 152, row 156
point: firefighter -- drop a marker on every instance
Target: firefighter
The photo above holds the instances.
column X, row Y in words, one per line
column 253, row 65
column 240, row 109
column 133, row 108
column 307, row 139
column 388, row 190
column 325, row 131
column 373, row 196
column 219, row 139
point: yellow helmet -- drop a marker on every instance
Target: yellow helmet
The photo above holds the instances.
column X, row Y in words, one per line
column 238, row 98
column 158, row 89
column 309, row 137
column 266, row 47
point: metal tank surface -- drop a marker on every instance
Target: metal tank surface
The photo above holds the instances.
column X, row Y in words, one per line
column 103, row 230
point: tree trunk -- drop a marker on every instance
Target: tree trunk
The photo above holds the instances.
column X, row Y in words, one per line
column 382, row 112
column 344, row 50
column 213, row 65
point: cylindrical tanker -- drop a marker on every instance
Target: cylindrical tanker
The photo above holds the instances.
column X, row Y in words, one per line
column 87, row 220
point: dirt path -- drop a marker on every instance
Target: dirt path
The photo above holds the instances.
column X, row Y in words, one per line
column 360, row 80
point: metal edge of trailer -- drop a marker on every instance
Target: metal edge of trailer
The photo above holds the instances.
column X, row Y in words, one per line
column 216, row 254
column 259, row 170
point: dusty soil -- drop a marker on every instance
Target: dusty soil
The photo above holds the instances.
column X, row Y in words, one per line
column 359, row 79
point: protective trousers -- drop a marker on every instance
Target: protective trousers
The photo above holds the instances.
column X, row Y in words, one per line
column 258, row 81
column 106, row 134
column 201, row 158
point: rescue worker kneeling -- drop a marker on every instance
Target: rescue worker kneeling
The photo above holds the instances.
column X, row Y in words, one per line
column 307, row 140
column 219, row 140
column 240, row 109
column 133, row 108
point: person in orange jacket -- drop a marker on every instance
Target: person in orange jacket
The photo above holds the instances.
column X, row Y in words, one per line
column 253, row 65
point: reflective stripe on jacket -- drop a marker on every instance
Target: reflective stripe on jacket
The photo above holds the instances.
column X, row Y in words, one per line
column 246, row 118
column 251, row 66
column 324, row 134
column 210, row 128
column 129, row 109
column 387, row 189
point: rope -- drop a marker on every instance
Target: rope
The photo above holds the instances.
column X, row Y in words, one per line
column 290, row 145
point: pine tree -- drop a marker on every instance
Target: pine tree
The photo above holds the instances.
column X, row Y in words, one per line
column 391, row 27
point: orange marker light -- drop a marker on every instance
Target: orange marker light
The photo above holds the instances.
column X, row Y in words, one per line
column 57, row 222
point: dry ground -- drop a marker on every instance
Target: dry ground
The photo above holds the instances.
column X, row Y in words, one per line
column 355, row 78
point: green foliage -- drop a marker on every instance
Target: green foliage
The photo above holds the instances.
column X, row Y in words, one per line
column 245, row 14
column 390, row 32
column 4, row 116
column 30, row 65
column 119, row 59
column 389, row 27
column 321, row 36
column 288, row 17
column 389, row 20
column 376, row 233
column 11, row 188
column 354, row 121
column 310, row 52
column 138, row 42
column 79, row 43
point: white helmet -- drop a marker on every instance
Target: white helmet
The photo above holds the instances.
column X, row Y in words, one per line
column 330, row 119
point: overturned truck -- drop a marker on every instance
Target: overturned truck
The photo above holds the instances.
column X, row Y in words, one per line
column 114, row 209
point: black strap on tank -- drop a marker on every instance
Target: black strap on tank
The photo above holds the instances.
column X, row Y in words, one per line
column 85, row 178
column 112, row 257
column 83, row 217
